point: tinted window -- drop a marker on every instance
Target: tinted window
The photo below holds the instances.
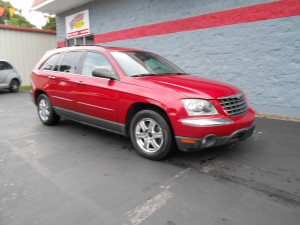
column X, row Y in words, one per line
column 5, row 66
column 70, row 62
column 94, row 60
column 51, row 63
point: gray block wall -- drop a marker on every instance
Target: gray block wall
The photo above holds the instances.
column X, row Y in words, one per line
column 262, row 58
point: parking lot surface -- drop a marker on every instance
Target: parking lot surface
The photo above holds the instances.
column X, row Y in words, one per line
column 72, row 174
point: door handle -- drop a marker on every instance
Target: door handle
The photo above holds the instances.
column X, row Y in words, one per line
column 79, row 82
column 51, row 77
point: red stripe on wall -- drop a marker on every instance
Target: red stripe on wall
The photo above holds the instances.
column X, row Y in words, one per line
column 265, row 11
column 61, row 44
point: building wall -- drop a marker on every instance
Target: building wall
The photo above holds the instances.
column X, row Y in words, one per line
column 24, row 48
column 253, row 44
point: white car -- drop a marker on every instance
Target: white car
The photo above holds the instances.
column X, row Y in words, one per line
column 9, row 77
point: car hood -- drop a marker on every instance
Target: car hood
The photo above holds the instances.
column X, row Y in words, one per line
column 191, row 86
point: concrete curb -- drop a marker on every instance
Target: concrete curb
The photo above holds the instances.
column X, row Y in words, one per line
column 278, row 117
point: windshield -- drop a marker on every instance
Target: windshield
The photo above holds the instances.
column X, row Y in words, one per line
column 136, row 64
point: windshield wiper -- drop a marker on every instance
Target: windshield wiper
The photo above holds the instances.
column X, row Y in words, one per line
column 175, row 73
column 144, row 75
column 154, row 74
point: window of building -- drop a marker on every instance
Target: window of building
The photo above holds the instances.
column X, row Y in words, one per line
column 85, row 40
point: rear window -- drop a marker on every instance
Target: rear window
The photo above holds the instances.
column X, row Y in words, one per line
column 51, row 63
column 5, row 66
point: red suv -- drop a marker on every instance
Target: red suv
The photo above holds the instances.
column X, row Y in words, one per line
column 141, row 95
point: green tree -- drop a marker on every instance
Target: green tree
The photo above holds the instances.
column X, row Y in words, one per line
column 50, row 24
column 16, row 19
column 20, row 21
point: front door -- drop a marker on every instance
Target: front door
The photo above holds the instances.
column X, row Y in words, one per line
column 97, row 97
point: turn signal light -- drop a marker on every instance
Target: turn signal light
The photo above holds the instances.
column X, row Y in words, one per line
column 188, row 141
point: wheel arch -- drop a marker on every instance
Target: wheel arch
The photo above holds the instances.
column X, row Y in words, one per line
column 139, row 106
column 15, row 78
column 37, row 94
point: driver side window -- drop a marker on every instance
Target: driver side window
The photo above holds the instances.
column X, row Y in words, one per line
column 93, row 61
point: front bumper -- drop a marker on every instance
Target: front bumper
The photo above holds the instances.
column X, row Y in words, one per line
column 211, row 140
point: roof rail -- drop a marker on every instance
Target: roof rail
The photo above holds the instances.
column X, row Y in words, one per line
column 88, row 45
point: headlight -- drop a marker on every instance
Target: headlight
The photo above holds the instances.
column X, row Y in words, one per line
column 198, row 107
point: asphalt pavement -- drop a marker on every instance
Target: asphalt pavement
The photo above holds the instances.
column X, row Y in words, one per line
column 72, row 174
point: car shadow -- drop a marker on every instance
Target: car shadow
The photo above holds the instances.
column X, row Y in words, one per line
column 4, row 92
column 194, row 160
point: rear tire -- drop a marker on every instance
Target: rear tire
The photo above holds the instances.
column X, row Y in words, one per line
column 46, row 112
column 151, row 135
column 14, row 86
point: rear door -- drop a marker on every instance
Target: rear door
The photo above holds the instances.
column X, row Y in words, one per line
column 46, row 70
column 62, row 81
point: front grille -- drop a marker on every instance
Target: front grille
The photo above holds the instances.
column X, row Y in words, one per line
column 234, row 105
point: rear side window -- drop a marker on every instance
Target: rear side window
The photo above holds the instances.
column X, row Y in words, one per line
column 5, row 66
column 70, row 62
column 51, row 63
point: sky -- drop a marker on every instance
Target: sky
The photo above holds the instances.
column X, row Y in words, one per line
column 33, row 17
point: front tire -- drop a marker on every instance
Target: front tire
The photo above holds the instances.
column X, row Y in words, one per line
column 151, row 135
column 46, row 112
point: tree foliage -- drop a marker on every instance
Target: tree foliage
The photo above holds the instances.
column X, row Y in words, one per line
column 50, row 24
column 20, row 21
column 16, row 19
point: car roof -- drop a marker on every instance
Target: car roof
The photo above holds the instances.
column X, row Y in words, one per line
column 92, row 47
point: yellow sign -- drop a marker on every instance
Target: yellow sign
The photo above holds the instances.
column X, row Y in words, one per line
column 78, row 24
column 11, row 12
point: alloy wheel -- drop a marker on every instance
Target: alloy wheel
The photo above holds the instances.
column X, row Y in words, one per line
column 44, row 110
column 149, row 135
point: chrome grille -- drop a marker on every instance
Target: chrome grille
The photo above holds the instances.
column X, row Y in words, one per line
column 234, row 105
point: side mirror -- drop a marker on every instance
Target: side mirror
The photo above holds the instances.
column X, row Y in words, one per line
column 105, row 73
